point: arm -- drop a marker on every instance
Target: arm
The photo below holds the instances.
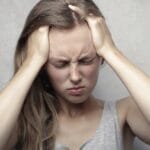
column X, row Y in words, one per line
column 138, row 85
column 136, row 81
column 13, row 95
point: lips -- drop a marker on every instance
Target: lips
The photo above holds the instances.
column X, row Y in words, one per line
column 76, row 91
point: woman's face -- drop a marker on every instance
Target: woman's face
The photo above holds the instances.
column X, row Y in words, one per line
column 73, row 64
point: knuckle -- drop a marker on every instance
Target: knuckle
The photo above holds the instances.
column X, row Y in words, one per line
column 42, row 29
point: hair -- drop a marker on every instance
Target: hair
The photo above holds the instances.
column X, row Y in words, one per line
column 37, row 122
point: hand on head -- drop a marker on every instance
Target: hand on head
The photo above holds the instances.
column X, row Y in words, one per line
column 100, row 33
column 38, row 44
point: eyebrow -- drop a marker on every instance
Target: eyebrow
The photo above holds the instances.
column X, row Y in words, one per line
column 87, row 57
column 53, row 59
column 60, row 59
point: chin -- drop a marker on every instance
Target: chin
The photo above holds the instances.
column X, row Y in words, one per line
column 76, row 99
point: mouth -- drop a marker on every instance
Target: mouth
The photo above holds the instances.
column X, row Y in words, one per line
column 76, row 91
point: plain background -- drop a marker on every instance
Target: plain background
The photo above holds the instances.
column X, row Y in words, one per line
column 128, row 21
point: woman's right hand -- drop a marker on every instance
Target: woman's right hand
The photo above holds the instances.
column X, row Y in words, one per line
column 37, row 55
column 38, row 44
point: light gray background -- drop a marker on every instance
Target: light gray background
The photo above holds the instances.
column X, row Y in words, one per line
column 128, row 21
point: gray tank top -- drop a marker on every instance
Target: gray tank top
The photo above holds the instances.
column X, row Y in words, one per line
column 107, row 136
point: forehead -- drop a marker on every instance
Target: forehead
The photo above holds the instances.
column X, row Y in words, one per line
column 71, row 42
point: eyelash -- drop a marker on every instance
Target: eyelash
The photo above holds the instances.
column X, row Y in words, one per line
column 81, row 62
column 61, row 65
column 86, row 62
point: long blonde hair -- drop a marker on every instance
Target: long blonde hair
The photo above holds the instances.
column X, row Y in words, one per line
column 37, row 123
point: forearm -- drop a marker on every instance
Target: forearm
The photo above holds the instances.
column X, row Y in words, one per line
column 12, row 97
column 136, row 81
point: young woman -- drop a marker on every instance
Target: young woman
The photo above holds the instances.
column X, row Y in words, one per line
column 48, row 104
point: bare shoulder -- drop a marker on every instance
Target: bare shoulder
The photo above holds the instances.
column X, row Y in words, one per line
column 131, row 115
column 125, row 107
column 128, row 106
column 122, row 108
column 128, row 136
column 125, row 104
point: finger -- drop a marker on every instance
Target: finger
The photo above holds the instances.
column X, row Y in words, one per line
column 44, row 28
column 88, row 17
column 77, row 10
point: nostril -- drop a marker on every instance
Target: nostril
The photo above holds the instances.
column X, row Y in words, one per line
column 76, row 81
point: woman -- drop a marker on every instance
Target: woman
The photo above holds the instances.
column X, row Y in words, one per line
column 57, row 61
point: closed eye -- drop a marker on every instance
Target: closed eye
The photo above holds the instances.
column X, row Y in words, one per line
column 61, row 64
column 86, row 61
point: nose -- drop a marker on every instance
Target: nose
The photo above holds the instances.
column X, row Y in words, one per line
column 75, row 75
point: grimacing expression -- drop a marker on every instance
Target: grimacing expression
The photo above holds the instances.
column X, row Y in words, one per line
column 73, row 65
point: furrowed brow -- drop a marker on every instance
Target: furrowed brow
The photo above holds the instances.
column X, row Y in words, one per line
column 56, row 59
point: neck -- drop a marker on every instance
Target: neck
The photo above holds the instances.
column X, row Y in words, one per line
column 73, row 110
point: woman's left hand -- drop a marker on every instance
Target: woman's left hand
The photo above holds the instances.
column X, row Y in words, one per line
column 101, row 36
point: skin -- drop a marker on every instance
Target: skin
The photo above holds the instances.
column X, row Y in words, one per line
column 72, row 63
column 65, row 70
column 133, row 112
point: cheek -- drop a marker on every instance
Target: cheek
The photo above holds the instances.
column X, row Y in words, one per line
column 56, row 76
column 91, row 72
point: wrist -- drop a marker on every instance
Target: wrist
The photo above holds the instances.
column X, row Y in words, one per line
column 108, row 51
column 35, row 60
